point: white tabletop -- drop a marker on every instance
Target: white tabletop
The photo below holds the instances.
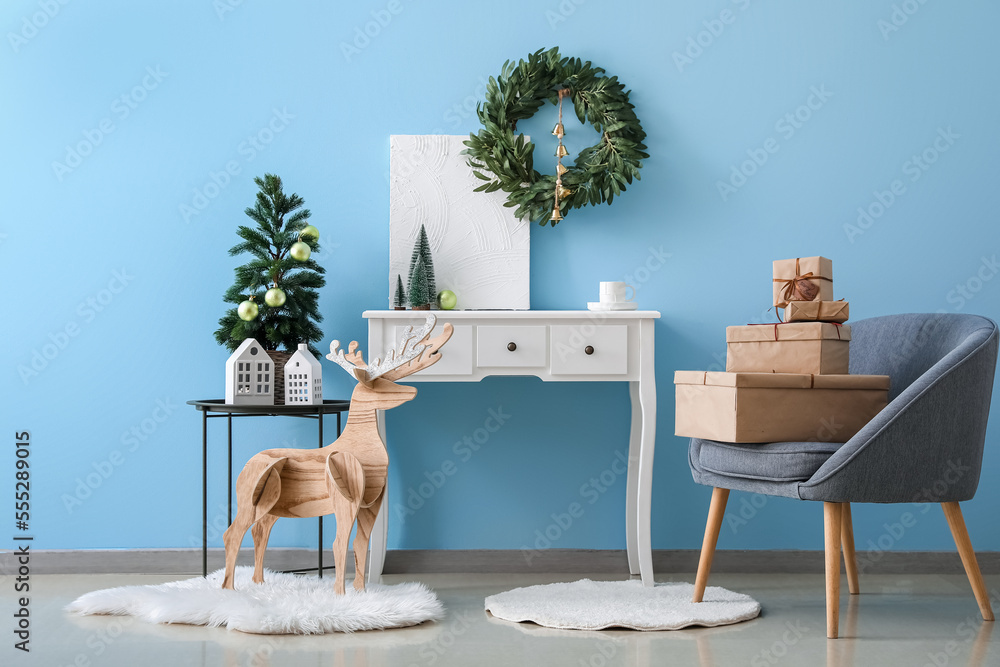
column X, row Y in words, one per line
column 519, row 314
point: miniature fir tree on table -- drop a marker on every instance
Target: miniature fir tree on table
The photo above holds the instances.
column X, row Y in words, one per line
column 399, row 300
column 422, row 251
column 420, row 294
column 274, row 295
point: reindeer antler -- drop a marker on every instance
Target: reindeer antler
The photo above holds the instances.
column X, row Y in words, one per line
column 429, row 354
column 406, row 358
column 407, row 349
column 354, row 355
column 353, row 362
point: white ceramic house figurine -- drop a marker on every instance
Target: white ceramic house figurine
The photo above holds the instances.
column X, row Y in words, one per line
column 303, row 378
column 249, row 375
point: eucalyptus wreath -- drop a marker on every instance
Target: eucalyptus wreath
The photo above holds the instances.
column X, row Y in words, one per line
column 504, row 160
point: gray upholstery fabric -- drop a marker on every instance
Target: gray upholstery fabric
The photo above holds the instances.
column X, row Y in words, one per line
column 770, row 462
column 925, row 446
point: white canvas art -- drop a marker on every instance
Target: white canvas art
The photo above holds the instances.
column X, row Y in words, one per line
column 479, row 249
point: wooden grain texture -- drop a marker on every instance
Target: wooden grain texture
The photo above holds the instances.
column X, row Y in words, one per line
column 346, row 478
column 833, row 524
column 847, row 543
column 953, row 513
column 716, row 512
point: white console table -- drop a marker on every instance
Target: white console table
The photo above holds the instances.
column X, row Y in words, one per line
column 556, row 346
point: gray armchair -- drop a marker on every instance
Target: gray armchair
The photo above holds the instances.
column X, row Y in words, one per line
column 925, row 446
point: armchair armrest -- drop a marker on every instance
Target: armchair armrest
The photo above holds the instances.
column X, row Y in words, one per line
column 927, row 444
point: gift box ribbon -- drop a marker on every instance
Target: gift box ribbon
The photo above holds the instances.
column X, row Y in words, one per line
column 788, row 291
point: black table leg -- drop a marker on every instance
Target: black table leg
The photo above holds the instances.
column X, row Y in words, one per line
column 204, row 493
column 319, row 418
column 229, row 419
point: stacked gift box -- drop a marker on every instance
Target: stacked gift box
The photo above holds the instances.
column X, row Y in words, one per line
column 787, row 381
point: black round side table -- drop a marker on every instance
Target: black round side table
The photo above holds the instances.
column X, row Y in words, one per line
column 217, row 407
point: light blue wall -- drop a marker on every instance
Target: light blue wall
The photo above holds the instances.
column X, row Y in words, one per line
column 148, row 340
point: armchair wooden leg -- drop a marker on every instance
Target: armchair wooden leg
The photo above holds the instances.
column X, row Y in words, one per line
column 716, row 512
column 956, row 522
column 833, row 527
column 847, row 542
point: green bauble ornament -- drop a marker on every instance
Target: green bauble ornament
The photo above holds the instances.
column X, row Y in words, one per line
column 300, row 251
column 274, row 297
column 247, row 311
column 309, row 232
column 447, row 300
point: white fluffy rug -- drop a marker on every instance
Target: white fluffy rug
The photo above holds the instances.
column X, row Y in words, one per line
column 283, row 604
column 596, row 605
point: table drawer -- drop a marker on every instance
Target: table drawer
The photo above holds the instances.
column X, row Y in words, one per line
column 589, row 349
column 456, row 355
column 494, row 346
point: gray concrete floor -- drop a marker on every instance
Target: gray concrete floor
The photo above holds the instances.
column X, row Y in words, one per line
column 897, row 620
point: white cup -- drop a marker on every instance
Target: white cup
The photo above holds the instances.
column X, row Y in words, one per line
column 614, row 292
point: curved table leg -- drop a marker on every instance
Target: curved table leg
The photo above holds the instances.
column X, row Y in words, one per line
column 647, row 444
column 632, row 481
column 380, row 531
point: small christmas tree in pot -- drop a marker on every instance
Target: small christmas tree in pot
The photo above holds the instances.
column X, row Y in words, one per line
column 399, row 300
column 422, row 289
column 275, row 294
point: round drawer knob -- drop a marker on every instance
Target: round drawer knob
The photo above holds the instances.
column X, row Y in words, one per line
column 511, row 346
column 589, row 349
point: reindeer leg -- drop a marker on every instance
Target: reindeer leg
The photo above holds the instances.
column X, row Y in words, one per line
column 257, row 490
column 345, row 481
column 345, row 513
column 233, row 538
column 366, row 519
column 261, row 532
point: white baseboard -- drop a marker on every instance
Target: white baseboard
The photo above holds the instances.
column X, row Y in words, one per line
column 188, row 561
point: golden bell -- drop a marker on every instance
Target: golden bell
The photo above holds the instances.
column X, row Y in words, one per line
column 556, row 215
column 562, row 192
column 559, row 130
column 561, row 151
column 560, row 169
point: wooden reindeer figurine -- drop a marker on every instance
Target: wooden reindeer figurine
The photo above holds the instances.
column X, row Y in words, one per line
column 346, row 478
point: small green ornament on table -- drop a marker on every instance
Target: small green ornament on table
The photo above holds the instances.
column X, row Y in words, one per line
column 447, row 300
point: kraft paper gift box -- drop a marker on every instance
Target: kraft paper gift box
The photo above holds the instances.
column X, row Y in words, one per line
column 802, row 279
column 776, row 407
column 817, row 311
column 797, row 347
